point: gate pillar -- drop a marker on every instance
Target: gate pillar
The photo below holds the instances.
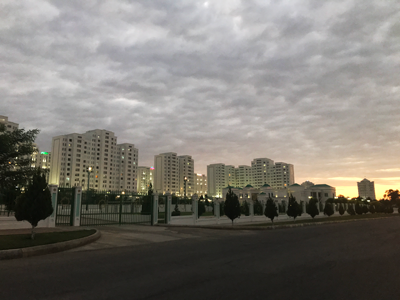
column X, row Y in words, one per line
column 167, row 212
column 195, row 208
column 51, row 221
column 251, row 210
column 216, row 209
column 77, row 206
column 154, row 213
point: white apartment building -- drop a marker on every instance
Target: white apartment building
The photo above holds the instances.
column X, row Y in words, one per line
column 144, row 178
column 230, row 175
column 201, row 184
column 283, row 175
column 41, row 159
column 113, row 167
column 10, row 126
column 216, row 180
column 126, row 164
column 366, row 189
column 170, row 171
column 166, row 173
column 243, row 176
column 262, row 172
column 186, row 170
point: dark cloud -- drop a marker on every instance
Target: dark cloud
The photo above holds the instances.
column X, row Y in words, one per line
column 313, row 83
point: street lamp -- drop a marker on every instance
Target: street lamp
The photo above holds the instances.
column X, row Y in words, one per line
column 89, row 170
column 184, row 184
column 184, row 195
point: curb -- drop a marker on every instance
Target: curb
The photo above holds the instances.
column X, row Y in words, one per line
column 48, row 249
column 272, row 227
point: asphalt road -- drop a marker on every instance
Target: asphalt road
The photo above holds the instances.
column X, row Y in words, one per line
column 355, row 260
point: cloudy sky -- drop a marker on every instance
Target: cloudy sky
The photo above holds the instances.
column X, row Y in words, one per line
column 313, row 83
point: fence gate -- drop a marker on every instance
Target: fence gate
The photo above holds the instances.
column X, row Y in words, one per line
column 108, row 208
column 65, row 207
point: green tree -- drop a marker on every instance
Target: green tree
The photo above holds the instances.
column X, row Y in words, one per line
column 244, row 208
column 359, row 210
column 341, row 209
column 350, row 210
column 16, row 148
column 258, row 209
column 294, row 208
column 312, row 208
column 328, row 209
column 372, row 209
column 271, row 209
column 201, row 207
column 392, row 195
column 35, row 204
column 147, row 200
column 365, row 209
column 232, row 205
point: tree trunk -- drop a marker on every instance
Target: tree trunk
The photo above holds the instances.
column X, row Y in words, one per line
column 33, row 233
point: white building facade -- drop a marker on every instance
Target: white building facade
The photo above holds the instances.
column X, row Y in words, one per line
column 113, row 167
column 144, row 178
column 366, row 189
column 10, row 126
column 262, row 171
column 201, row 184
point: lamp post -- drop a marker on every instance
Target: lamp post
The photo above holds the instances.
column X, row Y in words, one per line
column 89, row 170
column 184, row 185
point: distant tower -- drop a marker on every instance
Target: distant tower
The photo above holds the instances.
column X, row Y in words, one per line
column 366, row 189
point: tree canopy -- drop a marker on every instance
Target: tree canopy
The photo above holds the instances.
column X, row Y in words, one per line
column 294, row 208
column 16, row 148
column 271, row 211
column 35, row 204
column 232, row 205
column 312, row 208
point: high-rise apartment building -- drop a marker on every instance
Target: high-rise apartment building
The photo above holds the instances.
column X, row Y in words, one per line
column 230, row 175
column 41, row 159
column 283, row 175
column 216, row 180
column 186, row 170
column 261, row 172
column 144, row 178
column 170, row 171
column 113, row 167
column 166, row 175
column 366, row 189
column 10, row 126
column 243, row 176
column 201, row 184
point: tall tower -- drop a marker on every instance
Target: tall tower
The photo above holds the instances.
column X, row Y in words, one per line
column 366, row 189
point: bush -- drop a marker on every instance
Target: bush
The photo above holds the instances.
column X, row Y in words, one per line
column 258, row 209
column 201, row 208
column 365, row 209
column 359, row 210
column 341, row 209
column 232, row 205
column 351, row 210
column 35, row 204
column 328, row 210
column 271, row 209
column 312, row 209
column 244, row 208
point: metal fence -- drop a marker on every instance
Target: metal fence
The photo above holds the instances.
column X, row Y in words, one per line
column 65, row 203
column 107, row 208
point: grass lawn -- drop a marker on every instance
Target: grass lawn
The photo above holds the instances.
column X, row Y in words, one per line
column 17, row 241
column 328, row 219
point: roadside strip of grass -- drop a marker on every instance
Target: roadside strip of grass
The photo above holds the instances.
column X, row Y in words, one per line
column 17, row 241
column 327, row 220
